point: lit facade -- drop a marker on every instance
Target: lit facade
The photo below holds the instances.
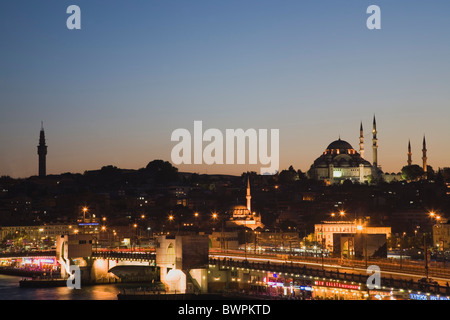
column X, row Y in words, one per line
column 441, row 236
column 340, row 162
column 324, row 231
column 243, row 215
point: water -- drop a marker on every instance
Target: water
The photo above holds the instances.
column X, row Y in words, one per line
column 10, row 290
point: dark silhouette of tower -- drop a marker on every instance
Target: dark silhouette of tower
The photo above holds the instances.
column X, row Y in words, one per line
column 375, row 144
column 42, row 152
column 409, row 154
column 424, row 156
column 361, row 141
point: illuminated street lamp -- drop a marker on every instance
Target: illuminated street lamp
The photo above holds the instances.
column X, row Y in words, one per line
column 171, row 218
column 85, row 209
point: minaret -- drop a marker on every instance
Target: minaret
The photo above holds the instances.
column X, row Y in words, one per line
column 42, row 152
column 249, row 197
column 375, row 144
column 424, row 156
column 361, row 141
column 409, row 153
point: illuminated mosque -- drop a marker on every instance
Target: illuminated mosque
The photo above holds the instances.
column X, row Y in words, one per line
column 243, row 216
column 340, row 161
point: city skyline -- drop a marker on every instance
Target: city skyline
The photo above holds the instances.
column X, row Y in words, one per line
column 113, row 92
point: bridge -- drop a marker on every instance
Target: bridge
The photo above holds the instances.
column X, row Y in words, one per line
column 251, row 271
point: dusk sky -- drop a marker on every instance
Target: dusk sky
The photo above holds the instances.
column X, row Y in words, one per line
column 113, row 92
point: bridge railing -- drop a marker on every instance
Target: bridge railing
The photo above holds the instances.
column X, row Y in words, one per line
column 127, row 255
column 48, row 253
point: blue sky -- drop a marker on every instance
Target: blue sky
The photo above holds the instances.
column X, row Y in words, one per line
column 112, row 92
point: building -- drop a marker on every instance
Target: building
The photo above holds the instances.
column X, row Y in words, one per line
column 324, row 232
column 38, row 237
column 340, row 162
column 226, row 240
column 441, row 236
column 243, row 216
column 359, row 245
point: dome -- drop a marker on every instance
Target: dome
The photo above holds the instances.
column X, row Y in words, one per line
column 239, row 207
column 339, row 144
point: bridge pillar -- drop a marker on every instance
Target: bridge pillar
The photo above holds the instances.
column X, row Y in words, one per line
column 75, row 249
column 183, row 262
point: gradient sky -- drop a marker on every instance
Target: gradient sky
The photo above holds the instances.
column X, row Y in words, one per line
column 113, row 92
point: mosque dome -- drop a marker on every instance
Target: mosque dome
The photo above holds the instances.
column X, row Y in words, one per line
column 239, row 211
column 339, row 145
column 339, row 162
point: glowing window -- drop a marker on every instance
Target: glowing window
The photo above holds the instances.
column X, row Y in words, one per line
column 337, row 174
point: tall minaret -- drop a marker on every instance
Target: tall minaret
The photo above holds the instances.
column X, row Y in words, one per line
column 361, row 141
column 409, row 154
column 424, row 156
column 42, row 152
column 249, row 197
column 375, row 143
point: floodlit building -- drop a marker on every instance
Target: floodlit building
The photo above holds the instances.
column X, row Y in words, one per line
column 243, row 215
column 324, row 232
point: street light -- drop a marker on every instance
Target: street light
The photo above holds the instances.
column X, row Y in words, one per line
column 85, row 209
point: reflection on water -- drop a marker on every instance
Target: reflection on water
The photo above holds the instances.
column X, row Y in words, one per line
column 10, row 290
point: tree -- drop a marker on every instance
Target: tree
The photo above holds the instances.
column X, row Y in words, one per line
column 162, row 171
column 412, row 172
column 287, row 176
